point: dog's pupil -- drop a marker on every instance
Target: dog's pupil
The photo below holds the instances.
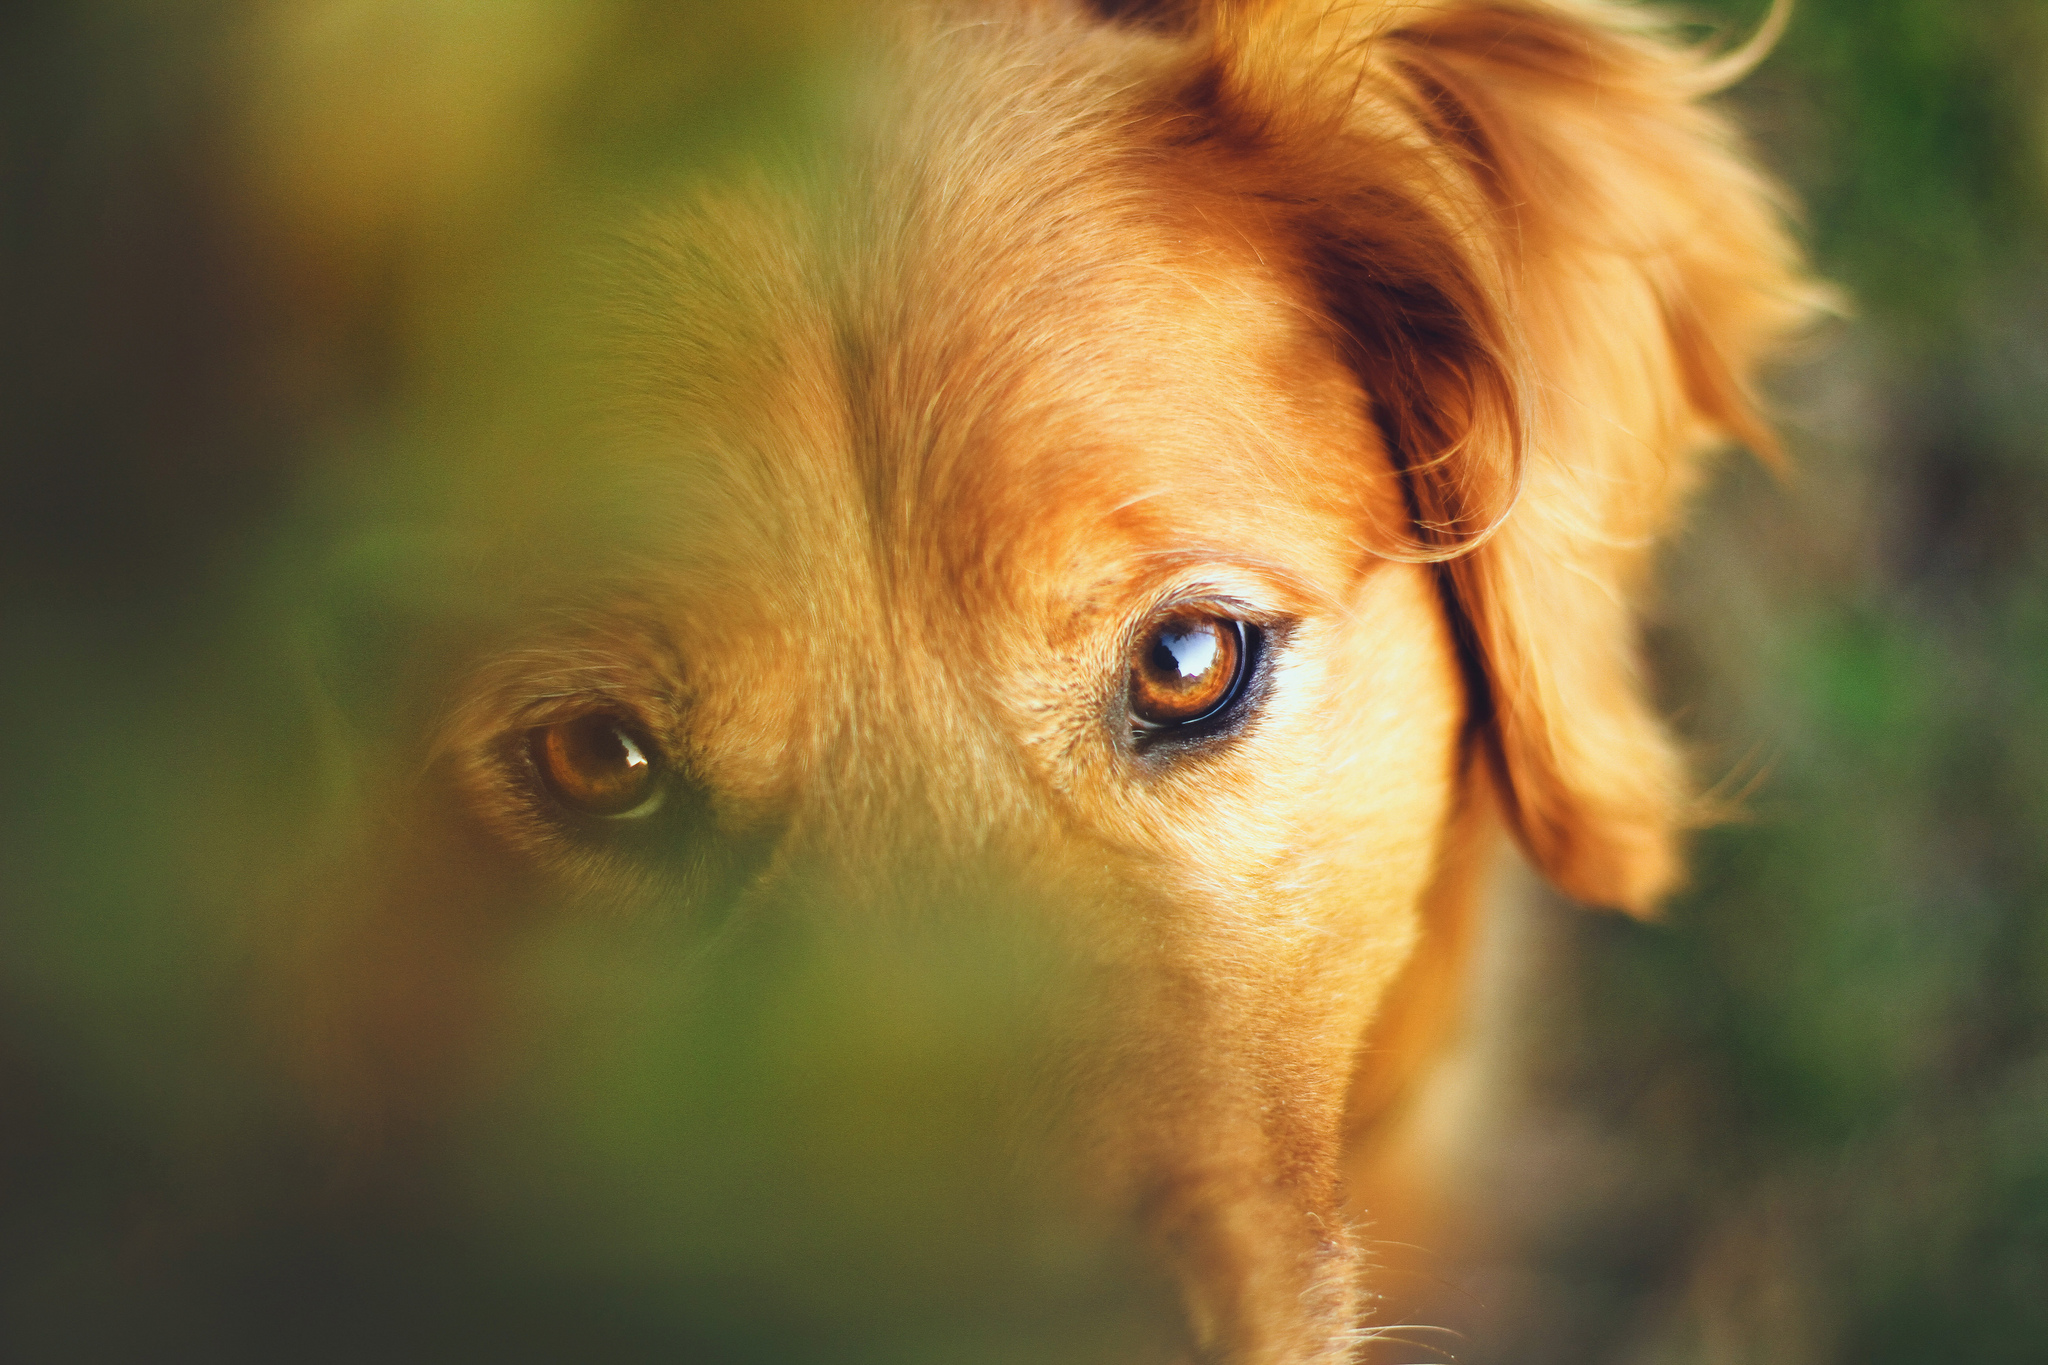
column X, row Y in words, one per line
column 607, row 751
column 1187, row 653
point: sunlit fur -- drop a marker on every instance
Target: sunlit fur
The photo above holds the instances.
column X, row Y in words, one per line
column 1398, row 328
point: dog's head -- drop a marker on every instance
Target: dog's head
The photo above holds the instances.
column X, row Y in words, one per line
column 1164, row 481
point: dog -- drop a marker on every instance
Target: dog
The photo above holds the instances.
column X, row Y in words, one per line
column 1170, row 483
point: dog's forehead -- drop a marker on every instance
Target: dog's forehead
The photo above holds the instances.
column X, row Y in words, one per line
column 995, row 349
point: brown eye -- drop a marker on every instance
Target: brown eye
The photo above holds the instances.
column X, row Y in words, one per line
column 1187, row 667
column 598, row 764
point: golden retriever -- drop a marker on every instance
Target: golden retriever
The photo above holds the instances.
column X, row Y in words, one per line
column 1176, row 477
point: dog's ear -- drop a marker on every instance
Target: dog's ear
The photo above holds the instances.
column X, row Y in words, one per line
column 1554, row 273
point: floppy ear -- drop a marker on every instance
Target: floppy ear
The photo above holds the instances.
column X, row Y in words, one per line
column 1554, row 272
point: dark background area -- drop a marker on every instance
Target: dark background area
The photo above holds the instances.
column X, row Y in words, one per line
column 1804, row 1119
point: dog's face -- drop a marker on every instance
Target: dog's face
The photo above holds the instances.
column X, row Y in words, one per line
column 1041, row 518
column 1025, row 605
column 1064, row 582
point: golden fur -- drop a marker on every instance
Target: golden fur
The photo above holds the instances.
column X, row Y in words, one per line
column 1396, row 328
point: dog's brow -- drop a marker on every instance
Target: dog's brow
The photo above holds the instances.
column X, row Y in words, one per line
column 1201, row 567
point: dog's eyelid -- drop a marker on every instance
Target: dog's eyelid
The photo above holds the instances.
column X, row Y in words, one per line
column 1260, row 588
column 654, row 710
column 1265, row 616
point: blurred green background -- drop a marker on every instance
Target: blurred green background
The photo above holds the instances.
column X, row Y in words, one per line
column 1804, row 1120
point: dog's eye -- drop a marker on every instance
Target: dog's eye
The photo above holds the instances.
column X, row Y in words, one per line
column 598, row 764
column 1187, row 667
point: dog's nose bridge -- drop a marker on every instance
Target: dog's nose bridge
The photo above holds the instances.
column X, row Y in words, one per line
column 901, row 773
